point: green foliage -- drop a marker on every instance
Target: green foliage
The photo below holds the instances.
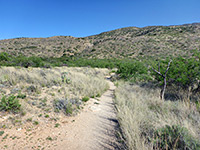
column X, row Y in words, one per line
column 98, row 95
column 57, row 125
column 35, row 122
column 185, row 72
column 22, row 96
column 10, row 104
column 69, row 109
column 85, row 99
column 35, row 61
column 65, row 78
column 4, row 56
column 49, row 138
column 46, row 116
column 28, row 61
column 29, row 119
column 161, row 66
column 134, row 70
column 174, row 137
column 1, row 133
column 127, row 69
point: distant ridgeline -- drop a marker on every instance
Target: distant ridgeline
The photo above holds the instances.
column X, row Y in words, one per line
column 130, row 42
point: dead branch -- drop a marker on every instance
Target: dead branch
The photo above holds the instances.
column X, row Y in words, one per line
column 164, row 78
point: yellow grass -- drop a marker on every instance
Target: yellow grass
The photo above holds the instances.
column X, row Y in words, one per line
column 140, row 112
column 49, row 87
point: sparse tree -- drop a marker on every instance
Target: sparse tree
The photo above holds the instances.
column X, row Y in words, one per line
column 164, row 77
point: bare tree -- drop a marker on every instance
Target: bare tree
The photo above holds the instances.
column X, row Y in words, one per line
column 164, row 76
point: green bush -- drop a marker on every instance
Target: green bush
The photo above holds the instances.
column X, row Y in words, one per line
column 9, row 104
column 1, row 133
column 32, row 61
column 69, row 109
column 85, row 99
column 185, row 72
column 22, row 96
column 174, row 137
column 133, row 70
column 4, row 56
column 183, row 75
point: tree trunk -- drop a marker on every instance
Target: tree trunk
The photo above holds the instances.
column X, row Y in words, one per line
column 162, row 94
column 164, row 76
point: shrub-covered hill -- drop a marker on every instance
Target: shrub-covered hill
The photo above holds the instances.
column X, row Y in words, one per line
column 125, row 42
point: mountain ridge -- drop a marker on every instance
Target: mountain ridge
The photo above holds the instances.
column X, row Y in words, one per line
column 128, row 42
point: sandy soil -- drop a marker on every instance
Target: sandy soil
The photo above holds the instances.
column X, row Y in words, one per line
column 93, row 128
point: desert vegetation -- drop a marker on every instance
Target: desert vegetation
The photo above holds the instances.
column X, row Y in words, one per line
column 130, row 42
column 35, row 94
column 156, row 71
column 146, row 121
column 170, row 122
column 149, row 123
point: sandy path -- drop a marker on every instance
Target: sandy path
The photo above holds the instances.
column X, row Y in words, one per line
column 92, row 129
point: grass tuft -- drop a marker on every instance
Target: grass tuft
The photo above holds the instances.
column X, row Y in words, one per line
column 141, row 114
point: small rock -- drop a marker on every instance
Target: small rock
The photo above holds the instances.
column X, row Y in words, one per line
column 33, row 103
column 2, row 86
column 15, row 90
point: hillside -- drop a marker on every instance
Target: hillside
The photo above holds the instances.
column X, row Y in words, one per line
column 125, row 42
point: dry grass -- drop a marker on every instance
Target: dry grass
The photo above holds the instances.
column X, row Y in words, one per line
column 82, row 81
column 141, row 112
column 43, row 86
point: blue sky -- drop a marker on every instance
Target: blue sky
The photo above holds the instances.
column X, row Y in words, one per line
column 79, row 18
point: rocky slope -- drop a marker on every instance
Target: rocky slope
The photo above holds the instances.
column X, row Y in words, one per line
column 125, row 42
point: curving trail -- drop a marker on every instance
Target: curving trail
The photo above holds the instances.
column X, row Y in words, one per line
column 95, row 127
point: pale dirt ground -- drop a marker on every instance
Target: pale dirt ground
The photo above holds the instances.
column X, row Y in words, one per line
column 93, row 128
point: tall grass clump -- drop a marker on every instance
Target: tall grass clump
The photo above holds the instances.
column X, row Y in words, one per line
column 83, row 81
column 143, row 118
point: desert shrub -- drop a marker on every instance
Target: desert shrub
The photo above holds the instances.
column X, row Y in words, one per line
column 66, row 105
column 85, row 99
column 1, row 133
column 22, row 96
column 134, row 70
column 69, row 109
column 37, row 61
column 32, row 61
column 174, row 137
column 65, row 78
column 10, row 104
column 4, row 56
column 183, row 74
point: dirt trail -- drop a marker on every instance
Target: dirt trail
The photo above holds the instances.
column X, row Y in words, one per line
column 92, row 129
